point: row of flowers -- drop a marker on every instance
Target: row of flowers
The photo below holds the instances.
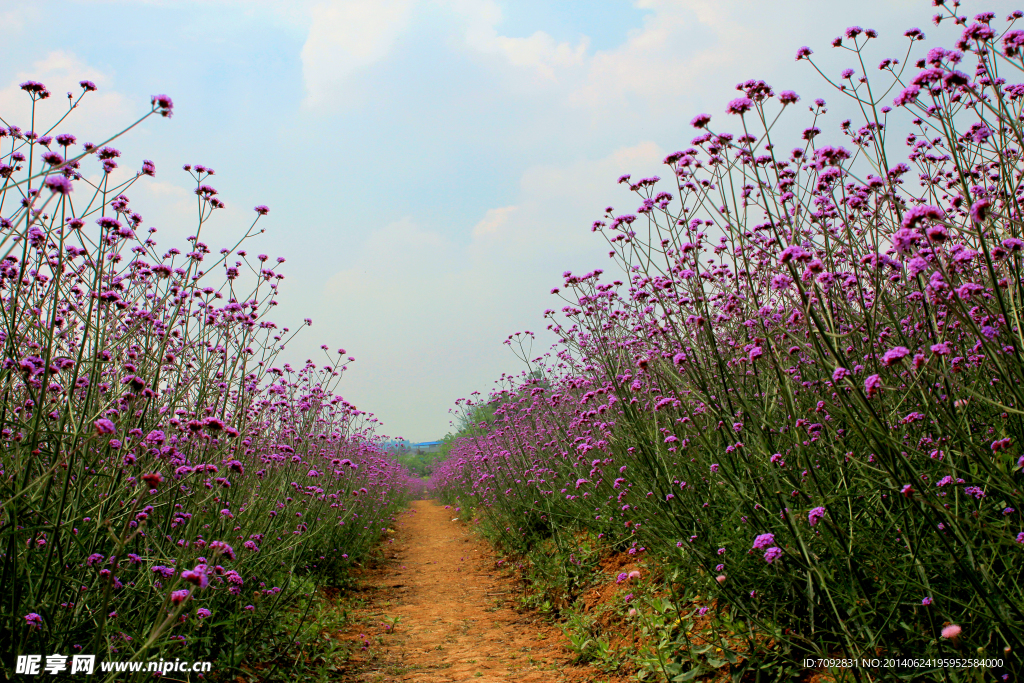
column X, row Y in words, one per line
column 165, row 477
column 801, row 390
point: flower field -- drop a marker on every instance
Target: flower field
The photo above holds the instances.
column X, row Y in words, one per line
column 800, row 391
column 167, row 486
column 793, row 405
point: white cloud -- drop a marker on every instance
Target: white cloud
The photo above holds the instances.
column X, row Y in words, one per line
column 425, row 316
column 653, row 62
column 101, row 113
column 539, row 51
column 493, row 221
column 345, row 36
column 681, row 46
column 16, row 19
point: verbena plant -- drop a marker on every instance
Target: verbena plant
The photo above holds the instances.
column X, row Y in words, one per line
column 161, row 479
column 804, row 393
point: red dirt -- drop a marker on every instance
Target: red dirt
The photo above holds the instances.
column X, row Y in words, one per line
column 456, row 618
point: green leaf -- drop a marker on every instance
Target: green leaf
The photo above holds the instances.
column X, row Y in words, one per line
column 688, row 676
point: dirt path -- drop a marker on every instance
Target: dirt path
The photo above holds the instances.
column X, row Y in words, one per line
column 454, row 611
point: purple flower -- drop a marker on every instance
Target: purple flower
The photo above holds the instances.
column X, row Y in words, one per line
column 740, row 105
column 1012, row 42
column 916, row 266
column 222, row 547
column 980, row 209
column 905, row 240
column 35, row 89
column 262, row 210
column 793, row 252
column 926, row 601
column 894, row 354
column 153, row 479
column 917, row 214
column 87, row 86
column 839, row 374
column 104, row 426
column 1001, row 444
column 163, row 105
column 197, row 576
column 700, row 121
column 872, row 385
column 202, row 612
column 815, row 515
column 968, row 289
column 975, row 491
column 772, row 554
column 788, row 97
column 621, row 577
column 763, row 541
column 33, row 620
column 1013, row 244
column 178, row 597
column 58, row 185
column 804, row 53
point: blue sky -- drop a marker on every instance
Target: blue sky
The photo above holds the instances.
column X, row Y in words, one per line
column 432, row 166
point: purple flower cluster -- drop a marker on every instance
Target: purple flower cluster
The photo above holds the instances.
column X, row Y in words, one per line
column 151, row 420
column 814, row 348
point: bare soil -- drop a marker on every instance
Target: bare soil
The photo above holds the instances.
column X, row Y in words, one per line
column 440, row 609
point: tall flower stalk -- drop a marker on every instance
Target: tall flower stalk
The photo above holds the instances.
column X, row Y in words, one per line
column 803, row 390
column 163, row 476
